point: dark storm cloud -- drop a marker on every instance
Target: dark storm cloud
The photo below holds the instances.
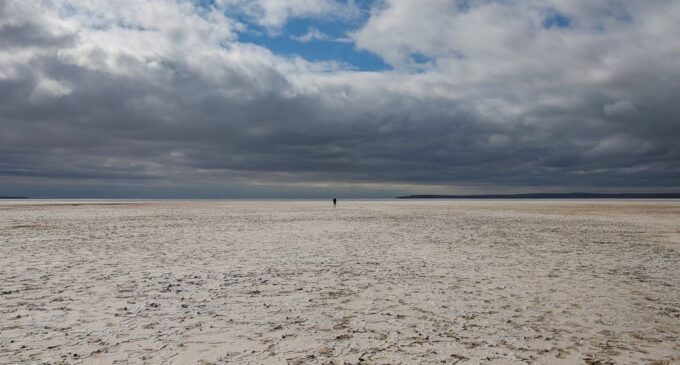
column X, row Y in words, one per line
column 30, row 35
column 72, row 109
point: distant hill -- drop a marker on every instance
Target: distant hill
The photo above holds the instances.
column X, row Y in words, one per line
column 551, row 196
column 13, row 197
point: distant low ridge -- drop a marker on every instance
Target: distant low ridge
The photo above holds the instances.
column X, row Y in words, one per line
column 551, row 196
column 13, row 197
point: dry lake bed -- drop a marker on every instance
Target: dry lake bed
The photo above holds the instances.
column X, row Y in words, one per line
column 370, row 282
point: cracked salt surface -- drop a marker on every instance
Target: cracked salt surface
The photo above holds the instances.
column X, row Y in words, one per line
column 371, row 282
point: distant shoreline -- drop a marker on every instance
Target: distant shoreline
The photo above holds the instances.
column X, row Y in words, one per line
column 550, row 196
column 14, row 197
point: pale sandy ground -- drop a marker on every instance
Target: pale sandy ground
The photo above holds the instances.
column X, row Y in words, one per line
column 392, row 282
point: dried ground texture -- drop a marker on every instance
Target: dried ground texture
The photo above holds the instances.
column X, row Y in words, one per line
column 371, row 282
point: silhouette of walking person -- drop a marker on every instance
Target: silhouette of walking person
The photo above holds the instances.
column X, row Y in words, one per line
column 335, row 202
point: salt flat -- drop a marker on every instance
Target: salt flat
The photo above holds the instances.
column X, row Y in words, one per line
column 371, row 282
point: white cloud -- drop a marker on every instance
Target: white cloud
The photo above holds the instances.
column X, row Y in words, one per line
column 619, row 108
column 312, row 34
column 499, row 54
column 49, row 88
column 167, row 84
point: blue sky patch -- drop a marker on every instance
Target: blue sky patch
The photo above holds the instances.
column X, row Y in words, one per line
column 557, row 20
column 334, row 45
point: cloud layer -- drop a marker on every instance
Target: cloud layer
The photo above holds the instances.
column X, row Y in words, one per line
column 132, row 98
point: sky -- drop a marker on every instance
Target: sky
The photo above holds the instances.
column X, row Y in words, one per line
column 346, row 98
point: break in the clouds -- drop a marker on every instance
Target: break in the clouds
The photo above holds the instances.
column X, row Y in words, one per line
column 307, row 98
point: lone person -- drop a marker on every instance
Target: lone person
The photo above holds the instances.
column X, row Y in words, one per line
column 335, row 202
